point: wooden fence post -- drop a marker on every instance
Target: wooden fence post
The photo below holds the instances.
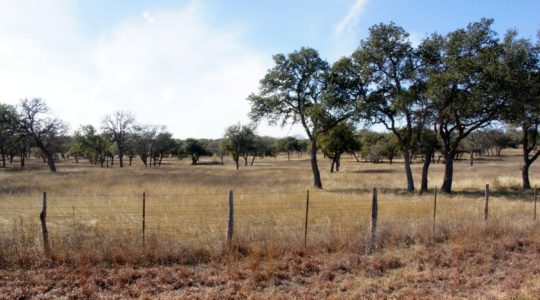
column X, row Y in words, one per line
column 374, row 212
column 143, row 217
column 486, row 203
column 535, row 197
column 306, row 223
column 434, row 211
column 43, row 218
column 230, row 227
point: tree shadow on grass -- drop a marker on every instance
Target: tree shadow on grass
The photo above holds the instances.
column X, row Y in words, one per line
column 510, row 194
column 375, row 171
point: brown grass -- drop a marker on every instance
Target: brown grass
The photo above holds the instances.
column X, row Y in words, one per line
column 94, row 220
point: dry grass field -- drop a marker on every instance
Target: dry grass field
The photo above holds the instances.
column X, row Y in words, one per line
column 95, row 219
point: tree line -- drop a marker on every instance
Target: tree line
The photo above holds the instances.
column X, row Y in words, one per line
column 446, row 96
column 28, row 129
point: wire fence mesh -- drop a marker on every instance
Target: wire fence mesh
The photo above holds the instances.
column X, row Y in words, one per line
column 257, row 216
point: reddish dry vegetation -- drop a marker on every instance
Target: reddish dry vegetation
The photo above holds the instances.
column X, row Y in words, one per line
column 476, row 262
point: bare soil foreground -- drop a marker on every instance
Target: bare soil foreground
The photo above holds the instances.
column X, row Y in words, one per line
column 98, row 250
column 483, row 262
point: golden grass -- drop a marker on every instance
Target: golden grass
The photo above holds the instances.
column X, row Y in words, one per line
column 186, row 206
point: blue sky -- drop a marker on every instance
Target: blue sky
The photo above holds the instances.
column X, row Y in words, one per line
column 190, row 65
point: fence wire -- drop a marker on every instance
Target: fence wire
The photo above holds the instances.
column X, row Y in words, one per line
column 257, row 216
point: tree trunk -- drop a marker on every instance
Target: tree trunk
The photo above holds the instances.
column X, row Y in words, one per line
column 252, row 160
column 525, row 174
column 448, row 171
column 130, row 160
column 237, row 162
column 338, row 163
column 121, row 158
column 332, row 166
column 472, row 158
column 50, row 162
column 3, row 157
column 425, row 171
column 288, row 155
column 314, row 166
column 23, row 158
column 408, row 171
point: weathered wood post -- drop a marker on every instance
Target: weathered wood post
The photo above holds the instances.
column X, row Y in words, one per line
column 486, row 203
column 434, row 211
column 230, row 227
column 143, row 217
column 43, row 219
column 374, row 212
column 306, row 221
column 535, row 197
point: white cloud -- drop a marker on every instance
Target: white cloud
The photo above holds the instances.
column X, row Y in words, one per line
column 179, row 70
column 345, row 35
column 416, row 38
column 347, row 23
column 149, row 17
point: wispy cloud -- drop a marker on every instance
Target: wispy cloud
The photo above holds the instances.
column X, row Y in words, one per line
column 347, row 23
column 345, row 36
column 181, row 71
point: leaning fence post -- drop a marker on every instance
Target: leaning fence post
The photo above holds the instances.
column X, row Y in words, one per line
column 374, row 212
column 230, row 226
column 434, row 211
column 143, row 217
column 486, row 203
column 306, row 223
column 43, row 218
column 535, row 197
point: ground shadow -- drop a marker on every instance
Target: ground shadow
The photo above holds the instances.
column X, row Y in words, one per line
column 471, row 194
column 375, row 171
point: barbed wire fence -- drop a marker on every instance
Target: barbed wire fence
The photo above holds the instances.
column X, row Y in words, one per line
column 248, row 216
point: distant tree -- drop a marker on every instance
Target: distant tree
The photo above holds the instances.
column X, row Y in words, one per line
column 131, row 146
column 218, row 147
column 45, row 132
column 504, row 139
column 94, row 146
column 119, row 126
column 144, row 138
column 262, row 146
column 288, row 145
column 368, row 140
column 76, row 148
column 164, row 145
column 8, row 116
column 238, row 141
column 389, row 147
column 302, row 88
column 195, row 149
column 337, row 141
